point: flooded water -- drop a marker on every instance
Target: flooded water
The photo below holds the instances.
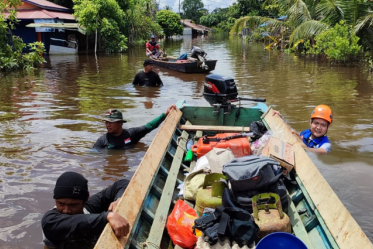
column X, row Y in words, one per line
column 49, row 126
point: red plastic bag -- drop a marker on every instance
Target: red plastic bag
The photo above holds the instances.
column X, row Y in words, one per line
column 180, row 223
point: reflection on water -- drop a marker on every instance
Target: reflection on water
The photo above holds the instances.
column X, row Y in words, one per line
column 49, row 126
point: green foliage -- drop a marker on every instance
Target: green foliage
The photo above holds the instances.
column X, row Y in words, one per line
column 11, row 46
column 170, row 23
column 139, row 23
column 35, row 57
column 210, row 20
column 192, row 10
column 238, row 25
column 106, row 17
column 256, row 35
column 338, row 43
column 251, row 7
column 114, row 40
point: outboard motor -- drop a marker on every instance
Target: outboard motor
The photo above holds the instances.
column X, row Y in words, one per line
column 199, row 54
column 220, row 91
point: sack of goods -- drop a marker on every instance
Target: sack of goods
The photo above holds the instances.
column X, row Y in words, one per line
column 252, row 175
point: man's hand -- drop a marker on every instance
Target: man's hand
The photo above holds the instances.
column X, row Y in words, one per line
column 173, row 107
column 113, row 205
column 118, row 223
column 277, row 113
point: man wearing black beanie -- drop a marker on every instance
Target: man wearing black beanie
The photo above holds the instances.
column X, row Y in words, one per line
column 77, row 220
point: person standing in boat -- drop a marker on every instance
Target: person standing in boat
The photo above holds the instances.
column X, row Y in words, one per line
column 152, row 48
column 119, row 138
column 78, row 219
column 147, row 77
column 315, row 137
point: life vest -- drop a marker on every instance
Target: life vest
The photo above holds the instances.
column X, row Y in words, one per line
column 313, row 143
column 152, row 46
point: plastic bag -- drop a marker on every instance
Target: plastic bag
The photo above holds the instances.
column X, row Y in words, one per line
column 258, row 145
column 179, row 225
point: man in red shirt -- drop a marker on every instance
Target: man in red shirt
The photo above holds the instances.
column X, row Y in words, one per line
column 152, row 47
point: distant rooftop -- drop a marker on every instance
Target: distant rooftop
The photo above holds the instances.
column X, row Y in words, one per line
column 47, row 5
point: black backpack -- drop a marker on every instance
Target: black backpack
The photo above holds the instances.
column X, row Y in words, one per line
column 252, row 175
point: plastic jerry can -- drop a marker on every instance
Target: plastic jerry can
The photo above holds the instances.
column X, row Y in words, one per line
column 270, row 217
column 239, row 145
column 212, row 192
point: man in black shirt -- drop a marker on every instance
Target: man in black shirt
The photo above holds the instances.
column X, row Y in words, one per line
column 119, row 138
column 77, row 220
column 147, row 77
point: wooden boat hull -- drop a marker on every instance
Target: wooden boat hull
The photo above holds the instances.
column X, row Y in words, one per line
column 186, row 67
column 153, row 191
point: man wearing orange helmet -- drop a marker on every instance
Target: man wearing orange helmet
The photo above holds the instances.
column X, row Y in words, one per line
column 315, row 137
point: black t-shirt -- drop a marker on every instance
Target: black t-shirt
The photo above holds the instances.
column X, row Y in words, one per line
column 127, row 139
column 81, row 230
column 147, row 79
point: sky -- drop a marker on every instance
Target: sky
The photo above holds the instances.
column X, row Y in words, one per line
column 210, row 5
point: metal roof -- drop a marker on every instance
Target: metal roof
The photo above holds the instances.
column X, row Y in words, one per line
column 188, row 22
column 69, row 26
column 47, row 5
column 41, row 14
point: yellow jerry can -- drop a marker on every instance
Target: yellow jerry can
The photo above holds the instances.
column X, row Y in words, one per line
column 269, row 217
column 212, row 192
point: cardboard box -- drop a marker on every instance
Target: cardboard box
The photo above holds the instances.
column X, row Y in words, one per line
column 280, row 151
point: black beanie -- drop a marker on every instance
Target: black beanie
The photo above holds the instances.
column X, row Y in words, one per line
column 71, row 185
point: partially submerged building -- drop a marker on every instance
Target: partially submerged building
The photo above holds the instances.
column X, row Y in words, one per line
column 52, row 24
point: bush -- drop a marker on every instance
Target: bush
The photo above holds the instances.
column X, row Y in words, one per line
column 11, row 46
column 338, row 43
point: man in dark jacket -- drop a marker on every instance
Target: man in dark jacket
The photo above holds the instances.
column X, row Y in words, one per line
column 119, row 138
column 147, row 77
column 77, row 220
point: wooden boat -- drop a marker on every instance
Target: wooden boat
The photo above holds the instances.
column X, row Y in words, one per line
column 152, row 192
column 190, row 65
column 60, row 46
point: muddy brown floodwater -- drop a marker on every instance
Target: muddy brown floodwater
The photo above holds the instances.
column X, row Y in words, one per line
column 49, row 126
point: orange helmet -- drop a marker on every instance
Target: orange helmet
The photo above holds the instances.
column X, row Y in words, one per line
column 323, row 112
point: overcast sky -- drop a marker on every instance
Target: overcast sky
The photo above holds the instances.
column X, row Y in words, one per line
column 210, row 5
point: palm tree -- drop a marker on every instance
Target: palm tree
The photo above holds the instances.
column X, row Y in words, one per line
column 307, row 18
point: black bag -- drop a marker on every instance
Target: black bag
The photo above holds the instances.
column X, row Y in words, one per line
column 252, row 175
column 234, row 223
column 258, row 128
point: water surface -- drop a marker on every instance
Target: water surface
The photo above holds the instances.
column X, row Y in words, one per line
column 48, row 126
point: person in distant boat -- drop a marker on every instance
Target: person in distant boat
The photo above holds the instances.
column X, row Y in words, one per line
column 78, row 219
column 147, row 77
column 119, row 138
column 152, row 48
column 315, row 137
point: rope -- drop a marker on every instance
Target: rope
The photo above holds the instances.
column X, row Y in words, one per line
column 147, row 243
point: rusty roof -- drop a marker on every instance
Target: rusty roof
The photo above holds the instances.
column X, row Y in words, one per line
column 47, row 5
column 41, row 14
column 188, row 22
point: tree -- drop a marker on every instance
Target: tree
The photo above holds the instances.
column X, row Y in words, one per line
column 210, row 20
column 170, row 23
column 167, row 7
column 139, row 22
column 337, row 43
column 192, row 9
column 105, row 17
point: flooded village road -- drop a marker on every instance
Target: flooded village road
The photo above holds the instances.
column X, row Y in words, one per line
column 49, row 127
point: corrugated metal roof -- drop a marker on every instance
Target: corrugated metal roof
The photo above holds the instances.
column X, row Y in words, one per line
column 71, row 26
column 41, row 14
column 188, row 22
column 47, row 5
